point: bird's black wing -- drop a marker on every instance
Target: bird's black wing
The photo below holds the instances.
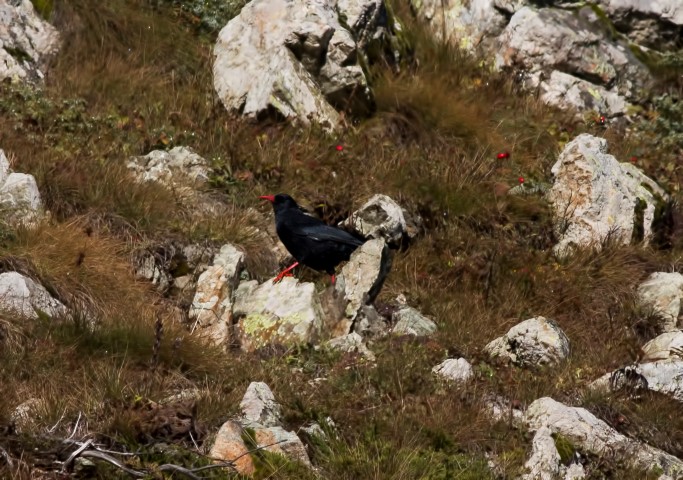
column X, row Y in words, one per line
column 299, row 224
column 323, row 232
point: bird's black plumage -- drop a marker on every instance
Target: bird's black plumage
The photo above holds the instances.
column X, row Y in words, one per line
column 310, row 241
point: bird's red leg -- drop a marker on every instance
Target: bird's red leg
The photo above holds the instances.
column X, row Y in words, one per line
column 285, row 273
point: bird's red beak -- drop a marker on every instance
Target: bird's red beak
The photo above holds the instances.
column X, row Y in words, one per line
column 270, row 198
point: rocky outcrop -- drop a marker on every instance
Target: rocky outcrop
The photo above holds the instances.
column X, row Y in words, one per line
column 288, row 313
column 592, row 435
column 667, row 346
column 296, row 58
column 27, row 42
column 568, row 52
column 594, row 197
column 178, row 168
column 20, row 202
column 172, row 266
column 661, row 293
column 548, row 40
column 211, row 309
column 534, row 342
column 22, row 296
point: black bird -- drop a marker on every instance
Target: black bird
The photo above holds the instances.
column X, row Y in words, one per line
column 310, row 241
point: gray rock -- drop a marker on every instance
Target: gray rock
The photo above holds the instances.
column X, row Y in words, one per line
column 409, row 321
column 22, row 296
column 25, row 415
column 545, row 461
column 547, row 40
column 592, row 435
column 655, row 24
column 27, row 42
column 211, row 307
column 20, row 202
column 568, row 92
column 287, row 313
column 667, row 346
column 280, row 441
column 362, row 277
column 662, row 292
column 230, row 447
column 370, row 323
column 665, row 377
column 259, row 406
column 178, row 168
column 293, row 57
column 263, row 415
column 351, row 343
column 502, row 410
column 595, row 197
column 456, row 370
column 534, row 342
column 380, row 217
column 465, row 24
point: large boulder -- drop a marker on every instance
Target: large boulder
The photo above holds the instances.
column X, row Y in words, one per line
column 211, row 308
column 540, row 41
column 22, row 296
column 662, row 293
column 594, row 197
column 590, row 434
column 654, row 24
column 296, row 58
column 27, row 42
column 287, row 313
column 20, row 202
column 534, row 342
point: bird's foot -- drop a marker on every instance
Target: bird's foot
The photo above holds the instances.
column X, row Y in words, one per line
column 282, row 275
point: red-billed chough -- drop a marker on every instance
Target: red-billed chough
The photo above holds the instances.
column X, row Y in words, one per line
column 310, row 241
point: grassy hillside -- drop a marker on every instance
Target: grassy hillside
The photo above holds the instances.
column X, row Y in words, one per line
column 134, row 76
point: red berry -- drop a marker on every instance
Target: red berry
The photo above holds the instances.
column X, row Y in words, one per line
column 503, row 155
column 634, row 159
column 521, row 179
column 340, row 148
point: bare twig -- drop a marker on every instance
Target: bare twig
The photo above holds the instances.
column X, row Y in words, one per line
column 76, row 453
column 158, row 333
column 5, row 455
column 168, row 467
column 75, row 427
column 54, row 427
column 117, row 463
